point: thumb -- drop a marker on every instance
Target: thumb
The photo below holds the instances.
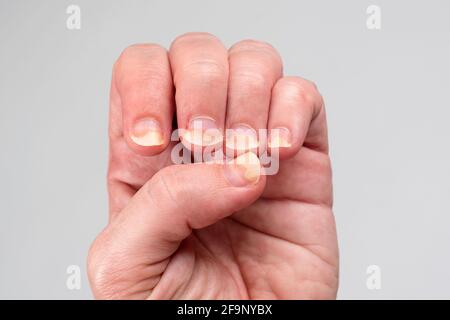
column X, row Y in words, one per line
column 174, row 201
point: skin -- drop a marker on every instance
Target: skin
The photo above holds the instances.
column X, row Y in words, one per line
column 205, row 231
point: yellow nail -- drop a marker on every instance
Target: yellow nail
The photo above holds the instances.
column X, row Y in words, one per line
column 279, row 138
column 147, row 133
column 205, row 138
column 202, row 132
column 242, row 138
column 251, row 166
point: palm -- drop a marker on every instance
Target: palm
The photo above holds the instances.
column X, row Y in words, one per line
column 282, row 246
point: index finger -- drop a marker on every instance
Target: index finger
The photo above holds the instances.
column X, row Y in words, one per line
column 140, row 120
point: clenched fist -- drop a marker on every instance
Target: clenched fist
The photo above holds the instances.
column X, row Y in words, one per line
column 219, row 230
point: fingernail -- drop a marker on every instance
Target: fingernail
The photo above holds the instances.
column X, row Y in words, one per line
column 203, row 131
column 244, row 170
column 147, row 133
column 279, row 138
column 242, row 137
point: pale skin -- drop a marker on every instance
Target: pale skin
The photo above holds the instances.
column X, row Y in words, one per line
column 214, row 231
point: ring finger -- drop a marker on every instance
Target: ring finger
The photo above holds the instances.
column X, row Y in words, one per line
column 254, row 69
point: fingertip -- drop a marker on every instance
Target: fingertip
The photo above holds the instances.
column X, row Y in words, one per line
column 295, row 102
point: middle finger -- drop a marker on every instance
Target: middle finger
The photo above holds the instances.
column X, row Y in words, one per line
column 199, row 64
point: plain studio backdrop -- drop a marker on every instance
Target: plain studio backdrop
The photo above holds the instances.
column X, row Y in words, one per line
column 387, row 98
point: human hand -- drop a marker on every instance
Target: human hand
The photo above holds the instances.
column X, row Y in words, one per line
column 214, row 231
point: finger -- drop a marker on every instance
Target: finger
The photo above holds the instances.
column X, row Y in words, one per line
column 254, row 68
column 297, row 117
column 143, row 80
column 200, row 72
column 129, row 166
column 169, row 206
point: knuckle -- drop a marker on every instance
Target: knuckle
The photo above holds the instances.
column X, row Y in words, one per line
column 259, row 56
column 194, row 36
column 299, row 82
column 134, row 53
column 210, row 71
column 252, row 82
column 193, row 39
column 255, row 46
column 142, row 48
column 300, row 89
column 139, row 66
column 136, row 90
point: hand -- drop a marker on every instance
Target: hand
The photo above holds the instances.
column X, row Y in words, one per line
column 214, row 231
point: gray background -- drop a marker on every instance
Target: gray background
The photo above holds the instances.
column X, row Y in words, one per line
column 388, row 111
